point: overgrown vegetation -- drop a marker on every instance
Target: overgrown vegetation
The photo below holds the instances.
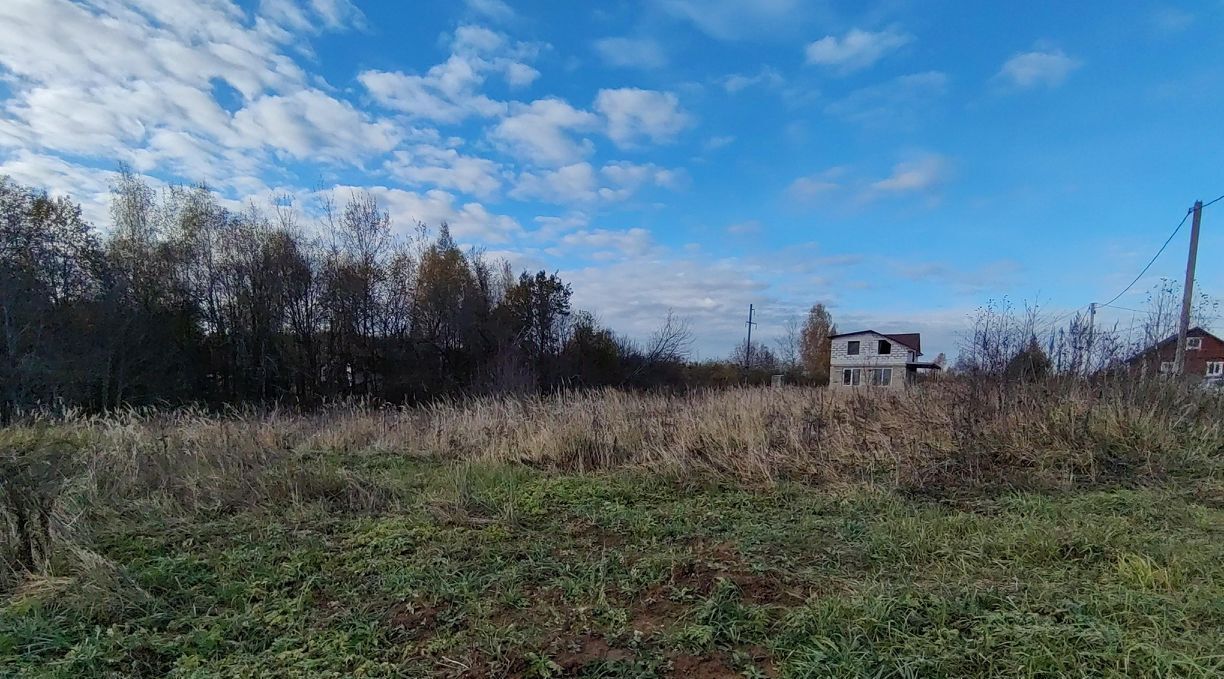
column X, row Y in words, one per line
column 970, row 528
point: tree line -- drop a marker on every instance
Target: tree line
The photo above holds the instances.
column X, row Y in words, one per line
column 184, row 300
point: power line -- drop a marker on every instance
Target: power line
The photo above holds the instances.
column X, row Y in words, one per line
column 1122, row 308
column 1050, row 325
column 1154, row 258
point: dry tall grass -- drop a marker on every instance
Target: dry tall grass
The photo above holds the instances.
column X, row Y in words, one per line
column 1060, row 429
column 949, row 433
column 958, row 431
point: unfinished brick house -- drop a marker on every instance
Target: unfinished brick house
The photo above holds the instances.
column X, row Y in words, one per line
column 1204, row 355
column 874, row 359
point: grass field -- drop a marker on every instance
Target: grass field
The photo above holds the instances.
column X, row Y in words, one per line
column 375, row 563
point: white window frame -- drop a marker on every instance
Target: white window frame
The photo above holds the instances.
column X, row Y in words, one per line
column 852, row 377
column 1215, row 368
column 1194, row 343
column 1166, row 367
column 858, row 347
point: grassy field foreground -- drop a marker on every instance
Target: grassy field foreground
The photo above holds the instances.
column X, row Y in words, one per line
column 277, row 550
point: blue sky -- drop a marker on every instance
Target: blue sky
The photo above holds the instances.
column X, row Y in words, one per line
column 902, row 162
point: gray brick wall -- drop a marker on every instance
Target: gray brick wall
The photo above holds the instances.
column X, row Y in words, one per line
column 868, row 357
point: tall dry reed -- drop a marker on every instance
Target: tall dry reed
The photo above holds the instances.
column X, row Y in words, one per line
column 954, row 432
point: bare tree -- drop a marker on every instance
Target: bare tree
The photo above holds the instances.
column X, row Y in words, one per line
column 997, row 334
column 672, row 342
column 1164, row 311
column 789, row 344
column 759, row 359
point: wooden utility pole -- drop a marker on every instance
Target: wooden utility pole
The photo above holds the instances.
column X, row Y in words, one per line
column 1183, row 326
column 1091, row 338
column 748, row 347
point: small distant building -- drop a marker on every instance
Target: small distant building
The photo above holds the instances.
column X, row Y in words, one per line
column 1204, row 356
column 874, row 359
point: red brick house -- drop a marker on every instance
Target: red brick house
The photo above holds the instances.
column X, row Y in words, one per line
column 1204, row 355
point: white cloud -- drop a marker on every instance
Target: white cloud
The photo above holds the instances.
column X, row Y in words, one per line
column 914, row 176
column 635, row 294
column 312, row 16
column 737, row 82
column 540, row 132
column 635, row 175
column 309, row 124
column 635, row 114
column 736, row 19
column 520, row 75
column 573, row 183
column 856, row 50
column 496, row 10
column 718, row 142
column 446, row 168
column 87, row 186
column 77, row 86
column 579, row 182
column 606, row 244
column 469, row 222
column 894, row 104
column 551, row 226
column 630, row 52
column 55, row 41
column 817, row 186
column 449, row 92
column 921, row 176
column 446, row 94
column 1027, row 70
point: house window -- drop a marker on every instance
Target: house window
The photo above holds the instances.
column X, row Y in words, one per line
column 1215, row 368
column 1166, row 367
column 1194, row 343
column 852, row 348
column 885, row 347
column 881, row 377
column 851, row 376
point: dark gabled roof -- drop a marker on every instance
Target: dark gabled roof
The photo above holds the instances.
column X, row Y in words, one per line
column 912, row 340
column 1196, row 331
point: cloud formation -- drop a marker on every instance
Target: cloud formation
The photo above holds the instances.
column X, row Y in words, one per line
column 542, row 132
column 856, row 50
column 1039, row 68
column 918, row 177
column 452, row 91
column 636, row 115
column 232, row 94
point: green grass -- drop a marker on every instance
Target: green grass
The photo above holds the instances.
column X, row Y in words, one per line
column 505, row 571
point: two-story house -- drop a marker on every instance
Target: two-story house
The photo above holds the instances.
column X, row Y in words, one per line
column 873, row 359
